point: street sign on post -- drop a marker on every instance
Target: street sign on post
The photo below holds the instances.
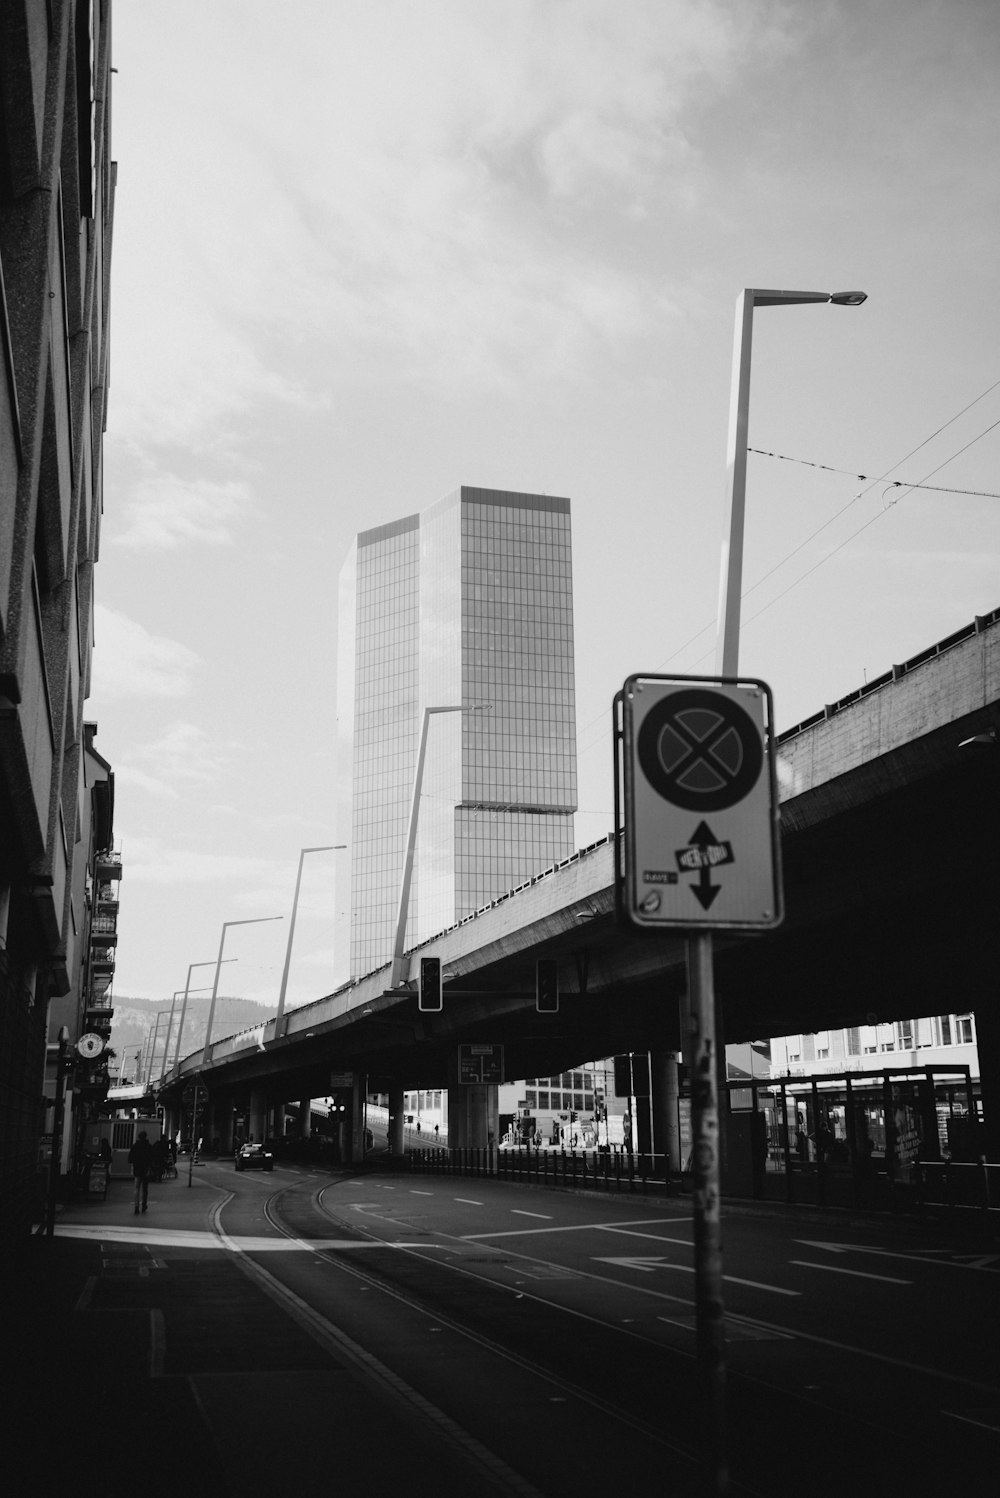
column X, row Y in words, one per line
column 699, row 843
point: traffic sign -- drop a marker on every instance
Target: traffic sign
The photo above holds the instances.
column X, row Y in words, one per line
column 480, row 1063
column 699, row 843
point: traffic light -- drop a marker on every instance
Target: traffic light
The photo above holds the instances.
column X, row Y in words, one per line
column 430, row 999
column 547, row 986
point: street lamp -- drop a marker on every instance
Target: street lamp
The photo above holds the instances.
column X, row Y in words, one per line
column 188, row 989
column 731, row 581
column 330, row 848
column 396, row 975
column 706, row 1054
column 256, row 921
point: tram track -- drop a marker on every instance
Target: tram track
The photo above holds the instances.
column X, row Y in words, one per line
column 298, row 1213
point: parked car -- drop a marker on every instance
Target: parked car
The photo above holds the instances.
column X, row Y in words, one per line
column 254, row 1157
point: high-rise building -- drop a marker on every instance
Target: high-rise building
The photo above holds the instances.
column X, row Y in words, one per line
column 467, row 605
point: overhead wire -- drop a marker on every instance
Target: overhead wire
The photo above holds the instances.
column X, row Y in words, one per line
column 871, row 484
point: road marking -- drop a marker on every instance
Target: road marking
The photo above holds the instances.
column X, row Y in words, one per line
column 580, row 1227
column 650, row 1265
column 927, row 1256
column 466, row 1201
column 420, row 1193
column 520, row 1212
column 858, row 1274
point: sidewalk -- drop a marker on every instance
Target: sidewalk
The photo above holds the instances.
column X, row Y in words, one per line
column 147, row 1362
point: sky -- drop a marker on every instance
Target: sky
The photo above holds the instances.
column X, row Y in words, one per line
column 366, row 253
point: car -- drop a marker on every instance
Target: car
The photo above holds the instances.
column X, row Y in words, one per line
column 254, row 1157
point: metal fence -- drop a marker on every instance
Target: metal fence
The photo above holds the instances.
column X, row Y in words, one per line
column 599, row 1170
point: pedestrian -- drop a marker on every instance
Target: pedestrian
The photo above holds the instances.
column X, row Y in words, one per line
column 140, row 1157
column 159, row 1155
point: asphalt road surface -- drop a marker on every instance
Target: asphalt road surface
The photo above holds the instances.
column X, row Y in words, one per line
column 547, row 1341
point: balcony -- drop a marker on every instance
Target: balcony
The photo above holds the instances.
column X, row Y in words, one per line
column 102, row 960
column 108, row 865
column 104, row 929
column 107, row 897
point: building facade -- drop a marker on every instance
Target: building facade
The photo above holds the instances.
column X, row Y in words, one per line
column 56, row 206
column 466, row 606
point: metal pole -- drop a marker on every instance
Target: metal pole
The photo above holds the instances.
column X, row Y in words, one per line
column 255, row 921
column 194, row 1132
column 148, row 1074
column 396, row 974
column 705, row 1058
column 189, row 990
column 711, row 1343
column 166, row 1043
column 330, row 848
column 727, row 640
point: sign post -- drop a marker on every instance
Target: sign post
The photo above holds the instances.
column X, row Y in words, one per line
column 698, row 849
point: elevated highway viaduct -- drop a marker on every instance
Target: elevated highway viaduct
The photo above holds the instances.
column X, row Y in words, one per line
column 890, row 823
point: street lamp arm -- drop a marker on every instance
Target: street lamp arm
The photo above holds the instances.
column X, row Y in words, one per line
column 252, row 921
column 396, row 973
column 328, row 848
column 731, row 578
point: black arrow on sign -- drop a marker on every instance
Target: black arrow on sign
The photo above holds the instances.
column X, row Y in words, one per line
column 704, row 853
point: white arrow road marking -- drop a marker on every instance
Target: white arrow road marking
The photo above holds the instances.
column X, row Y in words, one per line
column 927, row 1256
column 648, row 1265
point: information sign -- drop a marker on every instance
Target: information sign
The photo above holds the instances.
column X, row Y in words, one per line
column 480, row 1063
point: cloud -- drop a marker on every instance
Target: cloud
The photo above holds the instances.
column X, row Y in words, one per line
column 153, row 861
column 164, row 512
column 130, row 662
column 413, row 191
column 186, row 753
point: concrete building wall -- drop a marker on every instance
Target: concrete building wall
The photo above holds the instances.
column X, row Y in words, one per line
column 56, row 208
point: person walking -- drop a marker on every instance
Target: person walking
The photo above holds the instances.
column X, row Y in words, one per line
column 140, row 1157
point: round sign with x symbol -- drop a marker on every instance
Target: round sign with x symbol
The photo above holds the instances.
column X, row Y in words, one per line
column 699, row 750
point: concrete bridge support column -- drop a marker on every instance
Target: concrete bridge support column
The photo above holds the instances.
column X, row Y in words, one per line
column 278, row 1121
column 217, row 1126
column 666, row 1097
column 473, row 1110
column 258, row 1115
column 305, row 1118
column 396, row 1120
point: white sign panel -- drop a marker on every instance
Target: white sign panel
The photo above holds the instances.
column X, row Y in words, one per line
column 701, row 831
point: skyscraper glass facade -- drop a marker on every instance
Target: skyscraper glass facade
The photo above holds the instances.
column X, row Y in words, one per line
column 468, row 605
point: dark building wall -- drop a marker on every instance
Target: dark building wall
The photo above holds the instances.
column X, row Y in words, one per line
column 56, row 201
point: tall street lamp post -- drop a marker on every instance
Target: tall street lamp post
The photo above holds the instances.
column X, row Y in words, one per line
column 187, row 990
column 255, row 921
column 396, row 975
column 330, row 848
column 707, row 1062
column 731, row 582
column 208, row 1029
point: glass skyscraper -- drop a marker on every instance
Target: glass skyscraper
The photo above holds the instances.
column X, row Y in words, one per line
column 468, row 604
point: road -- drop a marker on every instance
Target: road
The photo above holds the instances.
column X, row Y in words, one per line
column 549, row 1338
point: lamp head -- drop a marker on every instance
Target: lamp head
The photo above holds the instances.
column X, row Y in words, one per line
column 848, row 298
